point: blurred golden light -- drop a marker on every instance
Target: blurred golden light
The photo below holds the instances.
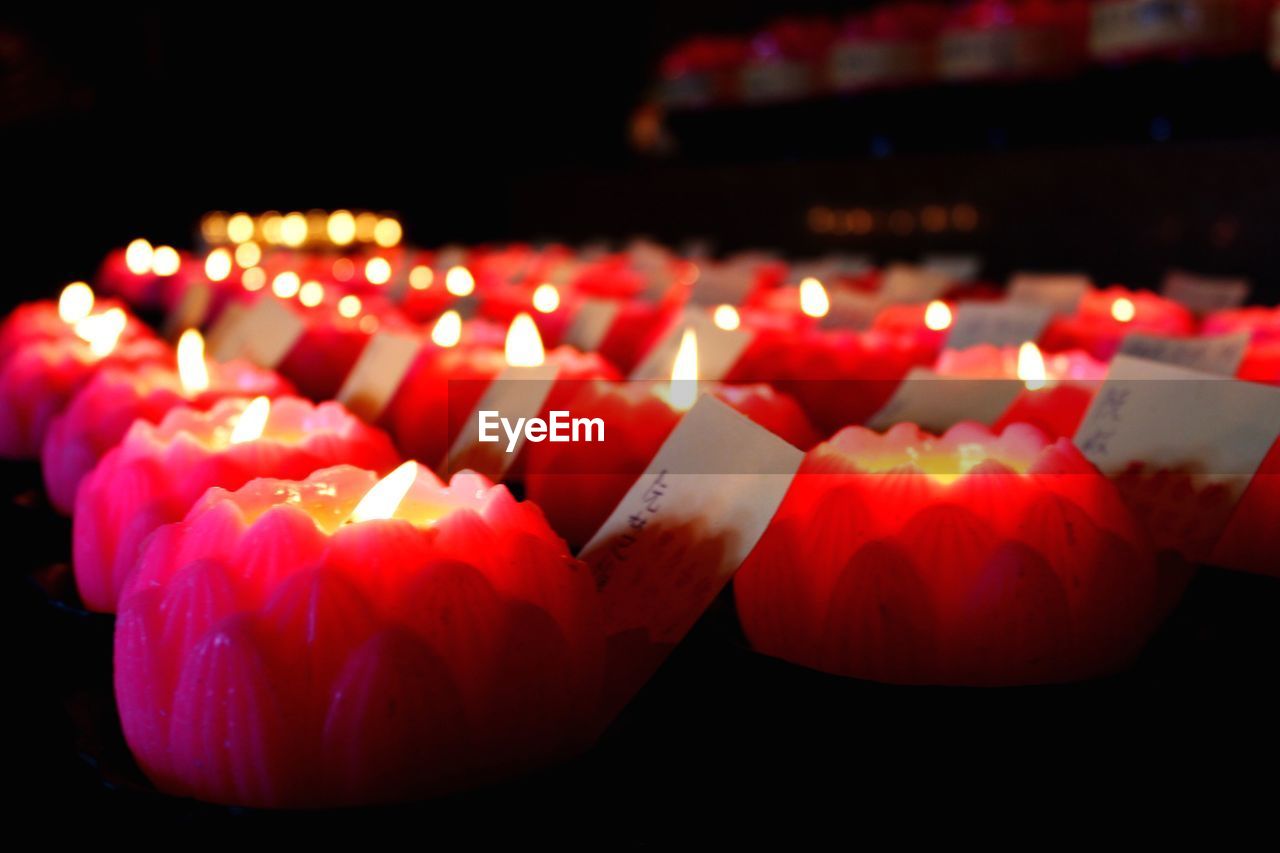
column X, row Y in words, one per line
column 75, row 302
column 726, row 317
column 813, row 298
column 421, row 277
column 964, row 217
column 822, row 220
column 448, row 329
column 350, row 306
column 459, row 281
column 293, row 229
column 102, row 331
column 546, row 298
column 341, row 227
column 387, row 232
column 311, row 293
column 137, row 256
column 240, row 228
column 217, row 266
column 248, row 254
column 271, row 225
column 368, row 324
column 1123, row 309
column 933, row 218
column 937, row 316
column 214, row 227
column 366, row 224
column 286, row 284
column 165, row 261
column 377, row 270
column 254, row 279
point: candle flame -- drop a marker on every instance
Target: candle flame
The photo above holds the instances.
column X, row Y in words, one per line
column 937, row 316
column 165, row 261
column 253, row 279
column 1123, row 309
column 387, row 232
column 137, row 256
column 384, row 498
column 546, row 298
column 726, row 317
column 286, row 284
column 524, row 344
column 293, row 229
column 377, row 270
column 341, row 227
column 350, row 306
column 192, row 369
column 240, row 228
column 421, row 277
column 813, row 298
column 459, row 281
column 1031, row 366
column 217, row 266
column 252, row 422
column 102, row 331
column 75, row 303
column 448, row 330
column 684, row 373
column 311, row 294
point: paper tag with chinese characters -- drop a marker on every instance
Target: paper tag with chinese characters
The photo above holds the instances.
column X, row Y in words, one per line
column 191, row 311
column 718, row 349
column 936, row 403
column 1220, row 354
column 1061, row 292
column 681, row 532
column 722, row 284
column 1171, row 417
column 1001, row 324
column 954, row 267
column 905, row 283
column 516, row 392
column 851, row 309
column 591, row 323
column 264, row 334
column 377, row 374
column 224, row 334
column 1203, row 294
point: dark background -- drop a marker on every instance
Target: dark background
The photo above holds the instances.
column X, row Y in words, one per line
column 479, row 123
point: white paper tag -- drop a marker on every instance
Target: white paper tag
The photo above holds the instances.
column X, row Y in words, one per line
column 264, row 334
column 851, row 309
column 223, row 335
column 718, row 349
column 1220, row 354
column 1203, row 294
column 1059, row 291
column 936, row 403
column 681, row 532
column 591, row 323
column 722, row 284
column 1001, row 324
column 516, row 392
column 378, row 372
column 191, row 311
column 906, row 283
column 963, row 267
column 1173, row 417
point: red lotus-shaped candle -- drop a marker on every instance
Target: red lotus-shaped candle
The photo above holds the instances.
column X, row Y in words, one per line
column 102, row 412
column 971, row 558
column 39, row 379
column 48, row 320
column 332, row 642
column 1104, row 317
column 336, row 333
column 158, row 471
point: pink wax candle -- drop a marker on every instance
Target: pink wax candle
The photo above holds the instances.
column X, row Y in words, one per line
column 141, row 273
column 154, row 475
column 969, row 558
column 578, row 485
column 1105, row 316
column 336, row 333
column 103, row 410
column 49, row 320
column 38, row 380
column 331, row 642
column 930, row 323
column 1058, row 388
